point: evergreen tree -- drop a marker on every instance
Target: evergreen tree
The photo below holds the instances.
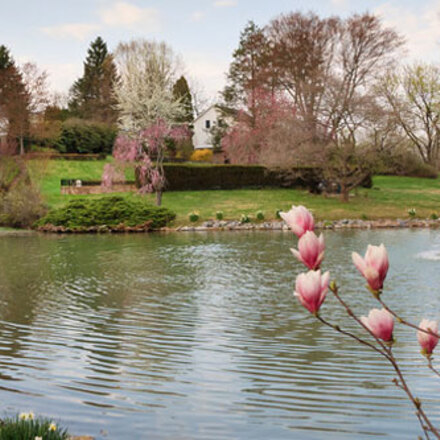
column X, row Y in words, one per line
column 92, row 94
column 5, row 58
column 182, row 93
column 249, row 69
column 14, row 98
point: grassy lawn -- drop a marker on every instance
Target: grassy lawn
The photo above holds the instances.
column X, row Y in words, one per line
column 390, row 197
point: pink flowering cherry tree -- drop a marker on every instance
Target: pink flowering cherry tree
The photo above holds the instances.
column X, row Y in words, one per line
column 146, row 152
column 312, row 287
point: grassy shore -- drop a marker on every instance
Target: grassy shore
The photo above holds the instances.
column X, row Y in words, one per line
column 390, row 197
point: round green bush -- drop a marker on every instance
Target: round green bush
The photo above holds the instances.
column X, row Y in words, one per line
column 260, row 215
column 245, row 218
column 278, row 213
column 107, row 211
column 434, row 216
column 219, row 215
column 193, row 216
column 79, row 136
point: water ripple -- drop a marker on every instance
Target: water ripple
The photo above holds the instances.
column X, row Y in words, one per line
column 198, row 336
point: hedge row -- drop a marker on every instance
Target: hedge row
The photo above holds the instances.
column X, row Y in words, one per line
column 187, row 177
column 192, row 177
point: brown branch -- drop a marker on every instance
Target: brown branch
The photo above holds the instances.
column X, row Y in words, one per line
column 404, row 321
column 431, row 367
column 351, row 335
column 388, row 354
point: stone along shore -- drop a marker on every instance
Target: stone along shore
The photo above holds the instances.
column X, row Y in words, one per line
column 223, row 225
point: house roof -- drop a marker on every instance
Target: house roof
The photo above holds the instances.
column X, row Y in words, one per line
column 220, row 108
column 204, row 112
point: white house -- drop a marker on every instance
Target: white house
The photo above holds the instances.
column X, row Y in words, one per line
column 202, row 127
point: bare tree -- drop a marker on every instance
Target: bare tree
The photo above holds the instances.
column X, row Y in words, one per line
column 302, row 56
column 413, row 96
column 36, row 84
column 365, row 50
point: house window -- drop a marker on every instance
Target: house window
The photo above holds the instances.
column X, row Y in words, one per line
column 208, row 124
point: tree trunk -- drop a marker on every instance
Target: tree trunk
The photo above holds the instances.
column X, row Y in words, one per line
column 159, row 198
column 345, row 194
column 21, row 146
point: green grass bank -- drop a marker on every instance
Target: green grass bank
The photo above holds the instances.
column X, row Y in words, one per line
column 389, row 198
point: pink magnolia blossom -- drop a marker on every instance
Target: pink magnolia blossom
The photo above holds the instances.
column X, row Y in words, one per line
column 374, row 266
column 311, row 289
column 426, row 341
column 380, row 323
column 310, row 250
column 299, row 219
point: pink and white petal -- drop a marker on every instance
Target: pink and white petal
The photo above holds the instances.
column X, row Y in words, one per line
column 359, row 262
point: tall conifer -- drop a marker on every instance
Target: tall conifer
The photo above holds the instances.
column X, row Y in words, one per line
column 91, row 96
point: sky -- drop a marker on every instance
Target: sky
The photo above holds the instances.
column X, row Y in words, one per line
column 55, row 34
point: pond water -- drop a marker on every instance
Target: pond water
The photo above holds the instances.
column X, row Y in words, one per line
column 198, row 336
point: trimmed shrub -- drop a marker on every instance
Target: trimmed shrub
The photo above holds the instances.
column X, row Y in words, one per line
column 193, row 177
column 26, row 427
column 244, row 218
column 202, row 155
column 434, row 216
column 219, row 215
column 204, row 177
column 278, row 213
column 82, row 137
column 260, row 215
column 107, row 211
column 193, row 216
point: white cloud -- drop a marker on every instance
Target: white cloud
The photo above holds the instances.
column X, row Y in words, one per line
column 122, row 14
column 197, row 16
column 339, row 3
column 225, row 3
column 119, row 14
column 78, row 31
column 420, row 27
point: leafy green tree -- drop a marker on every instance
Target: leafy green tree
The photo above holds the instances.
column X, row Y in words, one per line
column 182, row 93
column 91, row 96
column 14, row 98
